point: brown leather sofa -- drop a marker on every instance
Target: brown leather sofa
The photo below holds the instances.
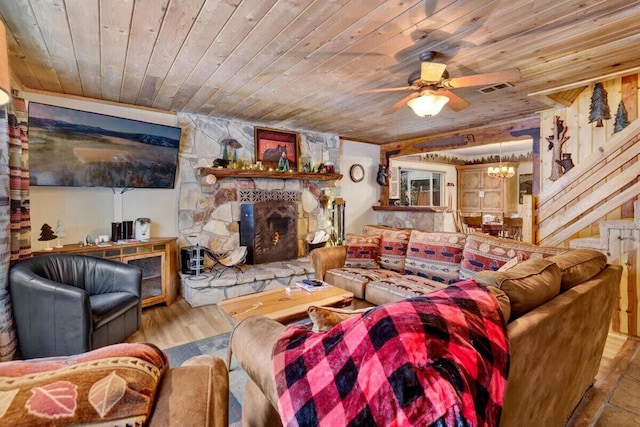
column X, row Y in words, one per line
column 558, row 315
column 193, row 394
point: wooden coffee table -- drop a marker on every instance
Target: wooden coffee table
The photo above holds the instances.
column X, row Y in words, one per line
column 283, row 304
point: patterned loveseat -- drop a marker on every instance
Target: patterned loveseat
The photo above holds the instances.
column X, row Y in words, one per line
column 387, row 264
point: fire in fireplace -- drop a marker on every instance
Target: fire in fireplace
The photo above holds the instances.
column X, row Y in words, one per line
column 269, row 231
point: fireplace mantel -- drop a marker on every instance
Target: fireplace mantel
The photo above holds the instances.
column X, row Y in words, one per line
column 222, row 173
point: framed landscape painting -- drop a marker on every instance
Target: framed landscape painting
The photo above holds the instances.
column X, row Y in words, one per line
column 270, row 145
column 75, row 148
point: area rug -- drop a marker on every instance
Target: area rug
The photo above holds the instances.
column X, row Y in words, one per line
column 218, row 346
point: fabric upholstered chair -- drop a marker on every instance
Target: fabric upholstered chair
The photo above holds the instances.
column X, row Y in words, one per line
column 67, row 304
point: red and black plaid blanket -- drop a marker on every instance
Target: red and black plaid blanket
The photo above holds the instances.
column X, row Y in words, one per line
column 439, row 360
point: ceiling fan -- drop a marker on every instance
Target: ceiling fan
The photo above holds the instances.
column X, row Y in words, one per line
column 431, row 87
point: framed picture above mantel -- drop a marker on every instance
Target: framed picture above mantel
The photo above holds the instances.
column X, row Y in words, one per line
column 276, row 148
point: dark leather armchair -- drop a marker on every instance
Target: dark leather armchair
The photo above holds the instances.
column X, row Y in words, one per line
column 68, row 304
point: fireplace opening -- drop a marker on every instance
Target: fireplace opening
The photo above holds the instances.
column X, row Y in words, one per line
column 269, row 231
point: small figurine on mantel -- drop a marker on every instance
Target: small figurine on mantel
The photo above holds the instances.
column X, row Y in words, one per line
column 46, row 234
column 60, row 233
column 283, row 163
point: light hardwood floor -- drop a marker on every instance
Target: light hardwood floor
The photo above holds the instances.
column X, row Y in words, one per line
column 180, row 323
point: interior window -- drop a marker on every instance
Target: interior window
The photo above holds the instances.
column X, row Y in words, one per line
column 421, row 188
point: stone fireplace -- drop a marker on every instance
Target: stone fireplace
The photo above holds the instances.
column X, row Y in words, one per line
column 210, row 210
column 269, row 231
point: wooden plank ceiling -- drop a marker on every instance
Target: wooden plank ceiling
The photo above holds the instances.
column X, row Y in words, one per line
column 294, row 64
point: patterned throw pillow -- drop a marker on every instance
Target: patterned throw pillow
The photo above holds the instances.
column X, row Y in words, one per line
column 436, row 256
column 393, row 246
column 485, row 252
column 362, row 251
column 113, row 385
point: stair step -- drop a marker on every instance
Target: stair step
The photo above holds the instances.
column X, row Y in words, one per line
column 588, row 243
column 602, row 244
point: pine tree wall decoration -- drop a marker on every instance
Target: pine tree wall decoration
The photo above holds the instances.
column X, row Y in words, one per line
column 599, row 109
column 622, row 118
column 46, row 234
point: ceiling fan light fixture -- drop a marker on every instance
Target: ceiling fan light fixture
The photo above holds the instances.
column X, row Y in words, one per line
column 428, row 104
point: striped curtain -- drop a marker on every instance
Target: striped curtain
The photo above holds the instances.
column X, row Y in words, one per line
column 15, row 226
column 19, row 181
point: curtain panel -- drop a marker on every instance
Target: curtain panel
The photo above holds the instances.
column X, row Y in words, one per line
column 15, row 223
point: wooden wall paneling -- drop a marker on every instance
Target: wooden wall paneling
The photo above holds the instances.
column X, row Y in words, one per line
column 584, row 192
column 385, row 38
column 268, row 49
column 546, row 130
column 211, row 20
column 19, row 65
column 273, row 26
column 237, row 27
column 445, row 31
column 629, row 95
column 585, row 142
column 633, row 288
column 256, row 92
column 617, row 256
column 52, row 20
column 145, row 27
column 38, row 58
column 256, row 37
column 114, row 35
column 84, row 23
column 177, row 23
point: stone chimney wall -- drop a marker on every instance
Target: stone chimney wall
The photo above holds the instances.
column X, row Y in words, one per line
column 209, row 213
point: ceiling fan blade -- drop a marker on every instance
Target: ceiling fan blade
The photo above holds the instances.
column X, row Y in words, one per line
column 398, row 105
column 384, row 89
column 431, row 71
column 511, row 75
column 456, row 103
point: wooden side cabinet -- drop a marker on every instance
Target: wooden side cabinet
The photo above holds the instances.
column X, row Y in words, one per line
column 479, row 193
column 157, row 258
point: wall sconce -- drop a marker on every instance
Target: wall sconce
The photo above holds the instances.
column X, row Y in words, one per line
column 5, row 83
column 428, row 103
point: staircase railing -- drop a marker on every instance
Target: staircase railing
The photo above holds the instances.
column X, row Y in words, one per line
column 602, row 182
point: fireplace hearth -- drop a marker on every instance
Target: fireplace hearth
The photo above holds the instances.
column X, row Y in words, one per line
column 269, row 231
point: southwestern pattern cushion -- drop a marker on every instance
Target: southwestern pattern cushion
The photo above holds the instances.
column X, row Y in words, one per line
column 355, row 279
column 396, row 288
column 485, row 252
column 436, row 256
column 113, row 385
column 393, row 246
column 362, row 251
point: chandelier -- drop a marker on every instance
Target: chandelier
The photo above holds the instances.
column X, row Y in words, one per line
column 501, row 171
